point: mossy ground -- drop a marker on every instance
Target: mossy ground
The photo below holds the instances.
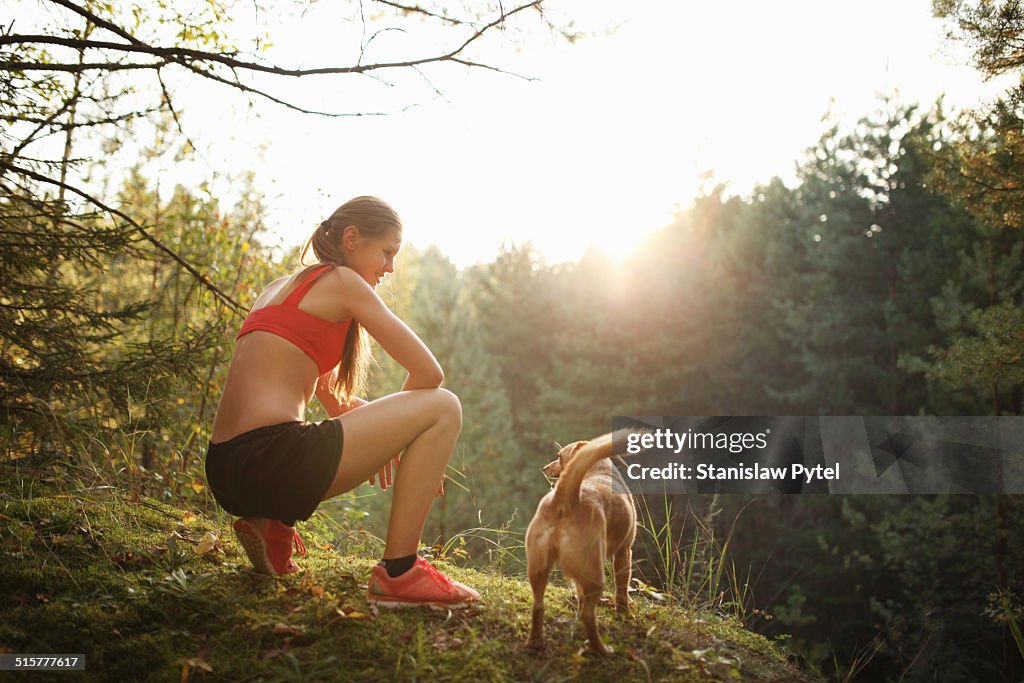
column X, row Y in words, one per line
column 146, row 593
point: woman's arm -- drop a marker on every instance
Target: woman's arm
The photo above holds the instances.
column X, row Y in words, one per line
column 393, row 335
column 329, row 401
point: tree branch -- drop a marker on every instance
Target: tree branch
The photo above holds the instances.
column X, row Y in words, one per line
column 48, row 121
column 284, row 103
column 200, row 277
column 414, row 9
column 78, row 124
column 81, row 67
column 180, row 53
column 99, row 21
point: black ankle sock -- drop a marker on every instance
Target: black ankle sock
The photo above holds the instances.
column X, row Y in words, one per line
column 399, row 565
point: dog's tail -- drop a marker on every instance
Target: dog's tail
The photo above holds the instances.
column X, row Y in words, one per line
column 567, row 492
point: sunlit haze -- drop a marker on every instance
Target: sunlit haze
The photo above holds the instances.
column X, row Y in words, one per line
column 620, row 130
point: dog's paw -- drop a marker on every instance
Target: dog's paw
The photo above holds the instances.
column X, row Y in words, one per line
column 535, row 644
column 599, row 649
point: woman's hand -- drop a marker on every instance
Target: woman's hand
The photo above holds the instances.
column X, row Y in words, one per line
column 386, row 474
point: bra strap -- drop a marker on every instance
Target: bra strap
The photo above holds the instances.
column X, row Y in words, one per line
column 295, row 296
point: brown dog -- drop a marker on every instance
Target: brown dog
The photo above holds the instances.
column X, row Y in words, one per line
column 581, row 523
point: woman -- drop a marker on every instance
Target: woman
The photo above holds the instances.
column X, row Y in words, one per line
column 305, row 336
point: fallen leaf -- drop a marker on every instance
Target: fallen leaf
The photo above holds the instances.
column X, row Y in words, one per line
column 64, row 539
column 286, row 630
column 197, row 663
column 441, row 640
column 189, row 518
column 349, row 613
column 208, row 544
column 311, row 587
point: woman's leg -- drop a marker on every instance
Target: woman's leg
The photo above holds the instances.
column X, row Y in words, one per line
column 423, row 422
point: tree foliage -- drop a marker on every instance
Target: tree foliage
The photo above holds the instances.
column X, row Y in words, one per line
column 985, row 169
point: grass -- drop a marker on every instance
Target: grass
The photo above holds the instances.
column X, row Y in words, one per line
column 702, row 575
column 150, row 591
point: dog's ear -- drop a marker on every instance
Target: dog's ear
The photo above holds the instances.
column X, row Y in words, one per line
column 569, row 452
column 565, row 454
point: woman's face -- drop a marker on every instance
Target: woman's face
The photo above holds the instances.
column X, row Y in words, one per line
column 372, row 257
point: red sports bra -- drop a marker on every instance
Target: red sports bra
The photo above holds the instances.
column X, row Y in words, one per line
column 322, row 340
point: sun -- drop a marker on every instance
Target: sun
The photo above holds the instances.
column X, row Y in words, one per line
column 619, row 245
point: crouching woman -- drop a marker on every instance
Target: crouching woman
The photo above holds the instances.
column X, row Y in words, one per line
column 306, row 336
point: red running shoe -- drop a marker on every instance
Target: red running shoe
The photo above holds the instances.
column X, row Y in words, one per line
column 421, row 585
column 268, row 543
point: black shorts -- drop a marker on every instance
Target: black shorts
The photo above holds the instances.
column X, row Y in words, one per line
column 280, row 472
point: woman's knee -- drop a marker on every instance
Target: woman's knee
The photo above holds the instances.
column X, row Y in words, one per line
column 448, row 406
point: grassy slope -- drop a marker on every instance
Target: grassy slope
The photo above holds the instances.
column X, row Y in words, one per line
column 131, row 583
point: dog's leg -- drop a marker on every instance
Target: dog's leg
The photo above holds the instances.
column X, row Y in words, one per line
column 623, row 564
column 539, row 571
column 588, row 612
column 587, row 571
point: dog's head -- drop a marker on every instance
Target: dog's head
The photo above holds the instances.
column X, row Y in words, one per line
column 555, row 468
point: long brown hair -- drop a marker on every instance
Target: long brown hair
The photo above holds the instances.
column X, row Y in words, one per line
column 373, row 217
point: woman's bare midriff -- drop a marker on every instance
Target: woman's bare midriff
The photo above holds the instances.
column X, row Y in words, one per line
column 270, row 381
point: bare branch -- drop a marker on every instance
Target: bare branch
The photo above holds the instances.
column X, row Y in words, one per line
column 179, row 54
column 48, row 121
column 414, row 9
column 488, row 67
column 284, row 103
column 174, row 112
column 500, row 20
column 79, row 124
column 98, row 21
column 79, row 68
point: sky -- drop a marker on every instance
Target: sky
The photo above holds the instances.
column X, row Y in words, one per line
column 610, row 136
